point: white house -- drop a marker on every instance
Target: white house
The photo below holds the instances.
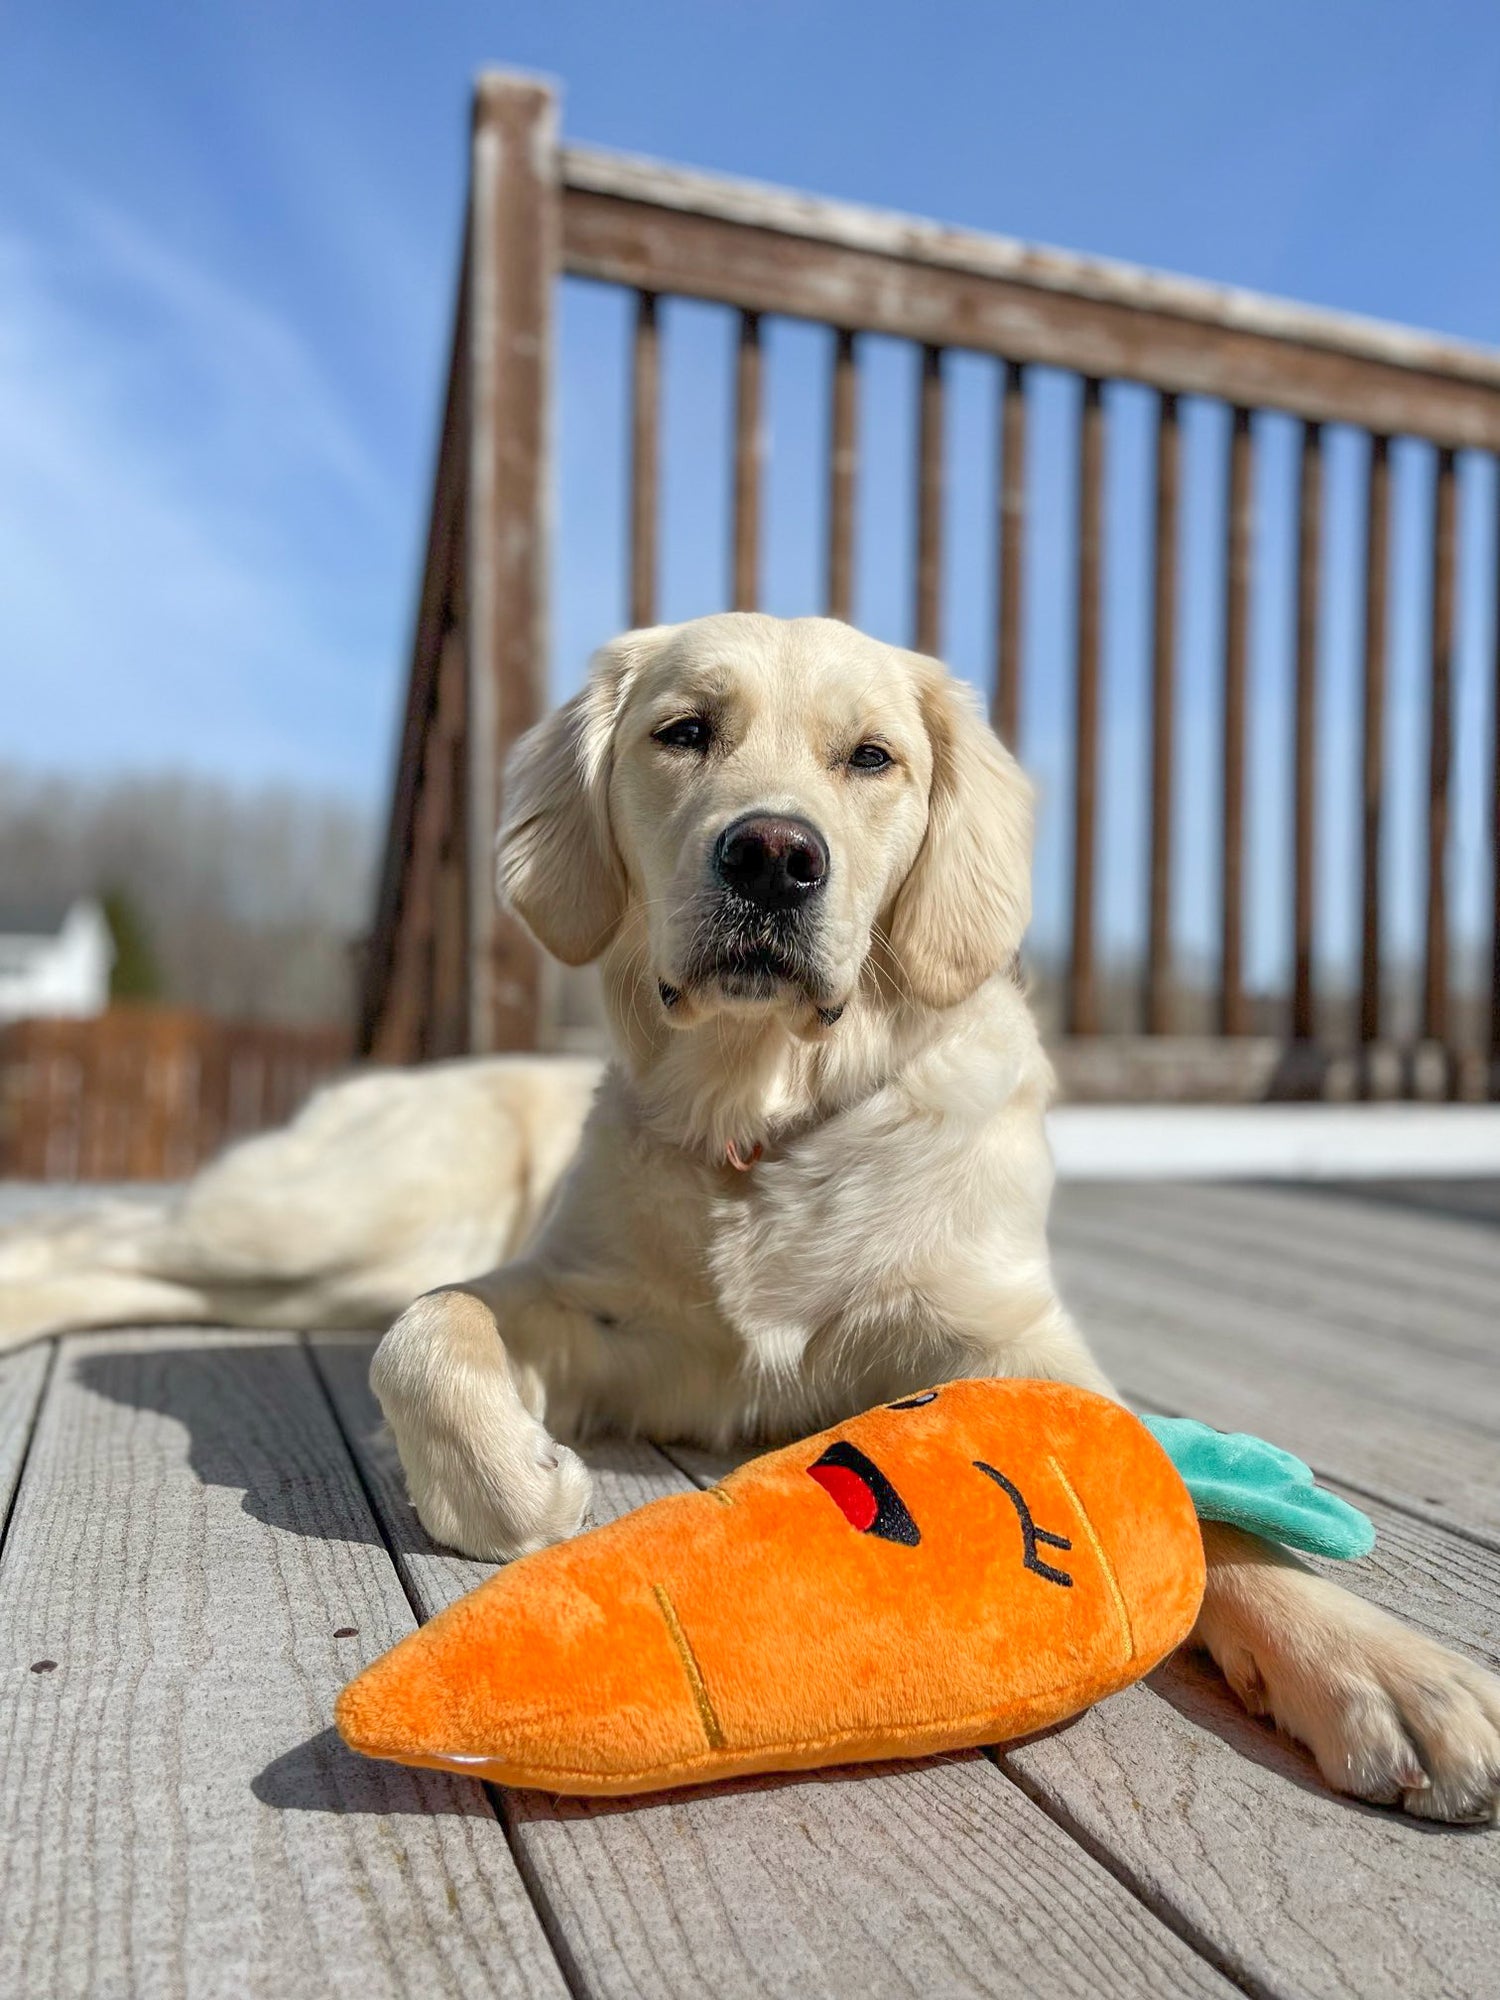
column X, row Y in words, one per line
column 54, row 959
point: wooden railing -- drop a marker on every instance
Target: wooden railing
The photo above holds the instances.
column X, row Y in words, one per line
column 448, row 972
column 148, row 1093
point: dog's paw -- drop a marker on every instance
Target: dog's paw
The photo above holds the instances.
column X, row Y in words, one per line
column 537, row 1492
column 482, row 1471
column 1406, row 1722
column 1390, row 1715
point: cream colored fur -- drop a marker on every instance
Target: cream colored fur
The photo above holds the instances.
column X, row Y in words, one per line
column 892, row 1234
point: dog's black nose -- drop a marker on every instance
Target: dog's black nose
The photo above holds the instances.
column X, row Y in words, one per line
column 774, row 863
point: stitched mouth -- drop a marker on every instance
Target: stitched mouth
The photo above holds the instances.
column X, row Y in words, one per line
column 863, row 1495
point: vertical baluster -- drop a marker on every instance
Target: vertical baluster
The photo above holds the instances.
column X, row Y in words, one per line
column 843, row 461
column 1233, row 1014
column 644, row 431
column 1377, row 552
column 1440, row 751
column 1011, row 537
column 1309, row 562
column 748, row 454
column 928, row 618
column 1494, row 1072
column 1082, row 1011
column 1163, row 703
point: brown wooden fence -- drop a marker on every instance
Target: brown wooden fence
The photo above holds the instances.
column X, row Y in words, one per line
column 448, row 972
column 148, row 1093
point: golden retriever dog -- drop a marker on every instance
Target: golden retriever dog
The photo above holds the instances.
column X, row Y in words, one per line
column 814, row 1177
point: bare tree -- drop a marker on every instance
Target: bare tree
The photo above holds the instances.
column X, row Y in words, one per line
column 253, row 901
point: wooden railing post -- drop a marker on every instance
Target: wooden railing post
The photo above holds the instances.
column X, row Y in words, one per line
column 514, row 249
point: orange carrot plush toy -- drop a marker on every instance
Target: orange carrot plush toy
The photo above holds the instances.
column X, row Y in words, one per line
column 957, row 1568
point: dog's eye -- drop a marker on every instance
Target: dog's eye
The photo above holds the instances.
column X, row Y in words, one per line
column 689, row 732
column 869, row 757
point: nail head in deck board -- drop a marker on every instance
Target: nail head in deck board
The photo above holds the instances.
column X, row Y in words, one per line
column 177, row 1815
column 909, row 1880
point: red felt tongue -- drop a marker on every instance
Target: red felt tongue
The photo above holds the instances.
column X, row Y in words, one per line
column 854, row 1498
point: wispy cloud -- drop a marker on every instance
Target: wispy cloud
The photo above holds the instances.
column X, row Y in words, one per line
column 196, row 540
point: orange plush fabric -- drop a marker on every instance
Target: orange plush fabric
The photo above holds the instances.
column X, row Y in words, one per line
column 957, row 1568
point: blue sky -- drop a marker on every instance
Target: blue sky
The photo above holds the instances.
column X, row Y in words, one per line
column 227, row 240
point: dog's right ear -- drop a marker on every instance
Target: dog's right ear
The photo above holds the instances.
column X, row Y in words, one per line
column 558, row 867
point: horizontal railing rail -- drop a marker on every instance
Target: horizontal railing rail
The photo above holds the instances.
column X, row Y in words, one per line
column 448, row 972
column 659, row 229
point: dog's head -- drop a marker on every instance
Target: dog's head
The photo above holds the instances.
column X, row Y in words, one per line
column 765, row 807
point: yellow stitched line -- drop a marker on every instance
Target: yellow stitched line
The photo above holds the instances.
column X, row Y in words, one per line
column 717, row 1493
column 1122, row 1610
column 711, row 1726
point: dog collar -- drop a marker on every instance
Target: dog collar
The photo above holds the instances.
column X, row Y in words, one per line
column 742, row 1162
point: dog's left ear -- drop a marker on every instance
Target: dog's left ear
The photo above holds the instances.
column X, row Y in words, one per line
column 962, row 911
column 557, row 864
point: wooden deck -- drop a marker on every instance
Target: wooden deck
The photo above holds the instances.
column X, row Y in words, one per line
column 204, row 1539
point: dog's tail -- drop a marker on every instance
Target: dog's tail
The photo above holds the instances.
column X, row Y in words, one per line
column 385, row 1185
column 88, row 1264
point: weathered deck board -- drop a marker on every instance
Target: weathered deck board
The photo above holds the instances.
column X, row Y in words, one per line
column 1411, row 1281
column 189, row 1539
column 906, row 1880
column 22, row 1377
column 1302, row 1894
column 1443, row 1583
column 1169, row 1354
column 1215, row 1821
column 1467, row 1200
column 175, row 1816
column 1232, row 1829
column 910, row 1880
column 1288, row 1323
column 1197, row 1804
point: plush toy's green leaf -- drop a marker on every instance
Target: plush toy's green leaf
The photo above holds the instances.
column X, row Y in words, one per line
column 1254, row 1485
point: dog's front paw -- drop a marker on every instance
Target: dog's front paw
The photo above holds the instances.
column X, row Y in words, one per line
column 1390, row 1715
column 537, row 1492
column 483, row 1473
column 1401, row 1721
